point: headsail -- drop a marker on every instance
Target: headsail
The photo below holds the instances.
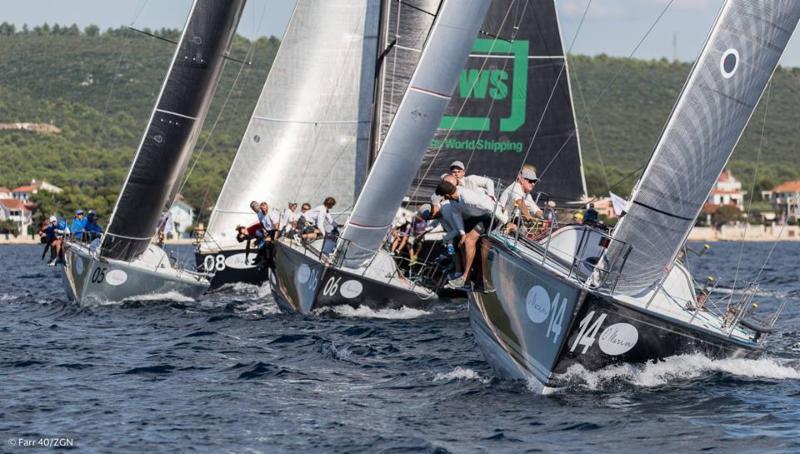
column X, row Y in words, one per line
column 722, row 92
column 173, row 128
column 513, row 105
column 413, row 126
column 308, row 136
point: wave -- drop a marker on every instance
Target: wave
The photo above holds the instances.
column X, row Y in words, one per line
column 260, row 308
column 682, row 367
column 365, row 312
column 171, row 296
column 243, row 288
column 459, row 373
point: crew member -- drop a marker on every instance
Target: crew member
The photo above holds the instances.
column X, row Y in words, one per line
column 320, row 216
column 78, row 225
column 472, row 214
column 92, row 229
column 476, row 182
column 516, row 199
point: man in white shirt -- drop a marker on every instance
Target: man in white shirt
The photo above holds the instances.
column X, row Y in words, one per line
column 287, row 223
column 472, row 212
column 516, row 199
column 319, row 216
column 477, row 182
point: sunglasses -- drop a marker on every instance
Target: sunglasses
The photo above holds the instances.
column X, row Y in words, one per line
column 531, row 181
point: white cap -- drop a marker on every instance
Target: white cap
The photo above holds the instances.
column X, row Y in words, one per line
column 529, row 174
column 53, row 219
column 458, row 164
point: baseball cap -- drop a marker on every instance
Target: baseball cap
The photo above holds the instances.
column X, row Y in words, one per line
column 458, row 164
column 53, row 219
column 78, row 211
column 529, row 174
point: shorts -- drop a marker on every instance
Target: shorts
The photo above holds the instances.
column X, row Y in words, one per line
column 479, row 224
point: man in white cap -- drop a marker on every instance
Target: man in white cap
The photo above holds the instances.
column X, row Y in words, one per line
column 476, row 182
column 516, row 199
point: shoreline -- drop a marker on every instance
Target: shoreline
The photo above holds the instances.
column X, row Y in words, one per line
column 750, row 234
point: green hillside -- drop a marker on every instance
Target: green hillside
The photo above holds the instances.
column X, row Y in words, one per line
column 99, row 88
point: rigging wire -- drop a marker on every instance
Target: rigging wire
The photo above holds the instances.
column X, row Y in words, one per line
column 591, row 129
column 609, row 84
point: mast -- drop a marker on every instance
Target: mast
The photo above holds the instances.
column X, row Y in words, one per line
column 715, row 105
column 308, row 137
column 513, row 106
column 412, row 129
column 173, row 128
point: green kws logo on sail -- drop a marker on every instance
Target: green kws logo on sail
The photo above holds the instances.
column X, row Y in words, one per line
column 492, row 86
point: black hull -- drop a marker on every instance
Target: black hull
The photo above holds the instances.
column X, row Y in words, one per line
column 234, row 266
column 537, row 324
column 303, row 284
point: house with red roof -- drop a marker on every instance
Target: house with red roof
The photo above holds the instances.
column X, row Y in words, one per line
column 785, row 198
column 16, row 211
column 726, row 191
column 6, row 193
column 25, row 191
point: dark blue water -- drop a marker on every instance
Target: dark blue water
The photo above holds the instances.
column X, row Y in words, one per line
column 229, row 372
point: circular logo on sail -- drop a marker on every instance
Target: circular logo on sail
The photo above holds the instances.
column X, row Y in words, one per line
column 116, row 277
column 537, row 304
column 351, row 289
column 78, row 265
column 729, row 62
column 303, row 273
column 618, row 339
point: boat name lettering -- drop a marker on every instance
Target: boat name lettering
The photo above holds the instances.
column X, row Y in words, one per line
column 618, row 339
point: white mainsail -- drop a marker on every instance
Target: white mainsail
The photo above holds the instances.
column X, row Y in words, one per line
column 308, row 137
column 414, row 124
column 716, row 103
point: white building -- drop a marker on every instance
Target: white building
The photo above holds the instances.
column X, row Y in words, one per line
column 785, row 199
column 727, row 191
column 182, row 216
column 17, row 212
column 25, row 192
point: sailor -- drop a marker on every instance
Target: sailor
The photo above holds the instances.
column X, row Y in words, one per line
column 92, row 229
column 287, row 223
column 268, row 229
column 478, row 182
column 320, row 216
column 78, row 225
column 516, row 199
column 55, row 233
column 590, row 217
column 472, row 214
column 417, row 231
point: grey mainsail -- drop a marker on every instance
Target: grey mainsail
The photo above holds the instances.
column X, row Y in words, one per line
column 405, row 25
column 173, row 127
column 414, row 124
column 513, row 105
column 716, row 103
column 308, row 137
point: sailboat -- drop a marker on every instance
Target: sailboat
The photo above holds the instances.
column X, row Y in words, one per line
column 308, row 135
column 359, row 272
column 123, row 263
column 582, row 297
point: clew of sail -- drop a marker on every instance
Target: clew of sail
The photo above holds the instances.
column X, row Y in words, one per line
column 173, row 127
column 513, row 105
column 716, row 103
column 412, row 129
column 308, row 137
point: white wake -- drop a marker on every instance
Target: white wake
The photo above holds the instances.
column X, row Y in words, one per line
column 459, row 373
column 365, row 312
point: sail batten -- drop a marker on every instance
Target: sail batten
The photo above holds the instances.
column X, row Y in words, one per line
column 715, row 105
column 173, row 128
column 308, row 137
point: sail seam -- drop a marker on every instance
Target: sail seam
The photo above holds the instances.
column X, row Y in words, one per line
column 666, row 213
column 169, row 112
column 310, row 122
column 429, row 92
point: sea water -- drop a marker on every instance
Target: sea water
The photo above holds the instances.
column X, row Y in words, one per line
column 230, row 372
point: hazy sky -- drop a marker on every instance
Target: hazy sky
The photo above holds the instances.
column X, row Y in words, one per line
column 611, row 26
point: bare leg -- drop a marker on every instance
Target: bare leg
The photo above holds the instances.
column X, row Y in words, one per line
column 470, row 240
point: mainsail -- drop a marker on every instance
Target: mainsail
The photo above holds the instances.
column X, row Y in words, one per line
column 414, row 124
column 711, row 113
column 173, row 128
column 513, row 105
column 405, row 25
column 308, row 137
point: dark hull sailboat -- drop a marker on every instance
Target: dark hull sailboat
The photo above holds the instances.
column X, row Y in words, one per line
column 305, row 283
column 124, row 263
column 581, row 297
column 536, row 322
column 229, row 266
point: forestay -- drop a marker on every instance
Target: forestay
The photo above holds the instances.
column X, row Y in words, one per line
column 712, row 111
column 173, row 127
column 513, row 105
column 413, row 127
column 308, row 137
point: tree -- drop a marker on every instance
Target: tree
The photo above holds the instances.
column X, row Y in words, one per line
column 725, row 215
column 91, row 30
